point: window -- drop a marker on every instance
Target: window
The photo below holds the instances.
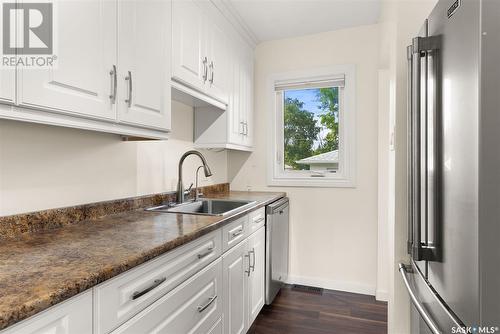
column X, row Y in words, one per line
column 312, row 127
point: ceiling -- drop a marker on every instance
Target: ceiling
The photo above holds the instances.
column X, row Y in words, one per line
column 276, row 19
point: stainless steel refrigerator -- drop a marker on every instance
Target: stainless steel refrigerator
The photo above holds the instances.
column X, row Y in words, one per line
column 453, row 277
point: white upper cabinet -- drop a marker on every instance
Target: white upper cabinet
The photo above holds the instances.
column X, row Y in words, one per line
column 189, row 58
column 200, row 54
column 82, row 81
column 218, row 64
column 144, row 47
column 7, row 85
column 234, row 128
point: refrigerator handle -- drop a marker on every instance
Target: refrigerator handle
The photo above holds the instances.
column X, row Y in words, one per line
column 420, row 250
column 403, row 269
column 409, row 150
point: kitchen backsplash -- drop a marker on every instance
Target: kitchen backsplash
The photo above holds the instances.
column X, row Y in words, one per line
column 17, row 225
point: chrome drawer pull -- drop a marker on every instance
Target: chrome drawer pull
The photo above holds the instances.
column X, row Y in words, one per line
column 202, row 308
column 155, row 284
column 202, row 255
column 237, row 233
column 259, row 220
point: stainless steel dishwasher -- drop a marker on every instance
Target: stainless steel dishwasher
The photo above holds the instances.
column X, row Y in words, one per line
column 276, row 247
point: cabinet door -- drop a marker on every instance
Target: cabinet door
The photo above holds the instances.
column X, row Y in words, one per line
column 7, row 85
column 73, row 316
column 235, row 124
column 235, row 265
column 247, row 94
column 257, row 251
column 144, row 68
column 81, row 82
column 218, row 59
column 189, row 58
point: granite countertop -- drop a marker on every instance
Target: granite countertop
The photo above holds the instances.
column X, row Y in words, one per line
column 47, row 267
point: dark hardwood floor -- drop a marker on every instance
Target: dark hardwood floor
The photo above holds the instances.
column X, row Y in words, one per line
column 297, row 311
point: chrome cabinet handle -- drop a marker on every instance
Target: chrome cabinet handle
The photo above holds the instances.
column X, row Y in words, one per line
column 237, row 233
column 128, row 78
column 212, row 66
column 258, row 220
column 251, row 266
column 205, row 69
column 420, row 308
column 155, row 284
column 246, row 129
column 242, row 131
column 208, row 251
column 202, row 308
column 114, row 79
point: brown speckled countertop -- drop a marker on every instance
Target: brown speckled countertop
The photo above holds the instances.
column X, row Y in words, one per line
column 42, row 269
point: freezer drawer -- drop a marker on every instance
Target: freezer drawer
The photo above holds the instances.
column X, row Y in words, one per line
column 429, row 313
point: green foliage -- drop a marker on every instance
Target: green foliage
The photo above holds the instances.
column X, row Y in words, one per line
column 329, row 99
column 300, row 133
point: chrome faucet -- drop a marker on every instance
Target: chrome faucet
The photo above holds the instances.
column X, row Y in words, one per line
column 180, row 186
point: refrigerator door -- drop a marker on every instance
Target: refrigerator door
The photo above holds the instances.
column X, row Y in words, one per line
column 454, row 275
column 489, row 165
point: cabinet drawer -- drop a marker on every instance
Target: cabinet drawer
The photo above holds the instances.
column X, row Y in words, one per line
column 193, row 307
column 73, row 316
column 234, row 232
column 256, row 219
column 119, row 299
column 217, row 328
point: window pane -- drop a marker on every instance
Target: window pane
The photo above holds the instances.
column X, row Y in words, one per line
column 311, row 125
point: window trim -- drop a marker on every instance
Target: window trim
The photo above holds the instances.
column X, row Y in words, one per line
column 346, row 177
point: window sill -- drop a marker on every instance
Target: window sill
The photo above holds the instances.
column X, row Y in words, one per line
column 311, row 182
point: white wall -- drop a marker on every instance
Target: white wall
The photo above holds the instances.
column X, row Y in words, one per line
column 333, row 230
column 45, row 167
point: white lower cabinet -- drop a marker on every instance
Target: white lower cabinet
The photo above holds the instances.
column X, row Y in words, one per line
column 256, row 279
column 212, row 285
column 235, row 265
column 74, row 316
column 243, row 268
column 217, row 328
column 119, row 299
column 193, row 307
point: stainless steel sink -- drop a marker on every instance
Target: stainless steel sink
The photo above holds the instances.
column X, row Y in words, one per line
column 206, row 207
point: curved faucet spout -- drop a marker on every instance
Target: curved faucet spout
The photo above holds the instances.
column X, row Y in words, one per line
column 180, row 186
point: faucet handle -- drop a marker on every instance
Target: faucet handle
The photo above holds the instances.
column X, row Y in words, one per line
column 188, row 190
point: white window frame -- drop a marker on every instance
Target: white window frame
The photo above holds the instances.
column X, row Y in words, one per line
column 346, row 175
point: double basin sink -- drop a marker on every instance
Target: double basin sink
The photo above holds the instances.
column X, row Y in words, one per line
column 206, row 207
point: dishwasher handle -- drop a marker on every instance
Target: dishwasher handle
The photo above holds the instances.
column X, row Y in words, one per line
column 277, row 206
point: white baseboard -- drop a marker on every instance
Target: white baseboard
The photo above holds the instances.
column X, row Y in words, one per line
column 382, row 295
column 332, row 284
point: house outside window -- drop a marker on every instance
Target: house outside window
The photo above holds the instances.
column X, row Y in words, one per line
column 312, row 127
